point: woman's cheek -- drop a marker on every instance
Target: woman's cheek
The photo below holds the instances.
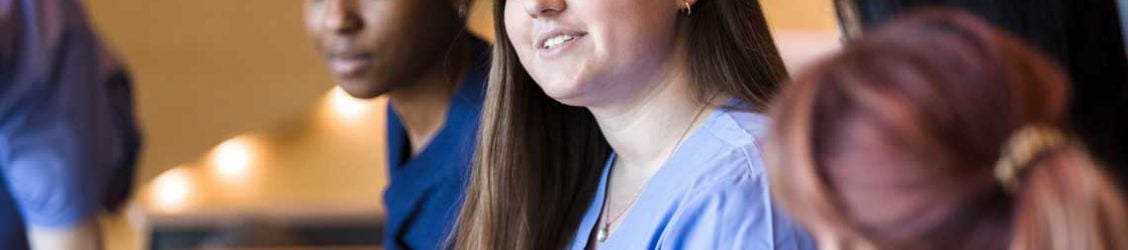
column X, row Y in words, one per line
column 518, row 33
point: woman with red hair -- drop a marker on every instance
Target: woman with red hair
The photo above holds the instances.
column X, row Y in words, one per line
column 938, row 132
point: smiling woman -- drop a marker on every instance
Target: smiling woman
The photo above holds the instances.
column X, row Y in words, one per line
column 672, row 87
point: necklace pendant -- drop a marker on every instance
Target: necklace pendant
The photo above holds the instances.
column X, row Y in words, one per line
column 601, row 235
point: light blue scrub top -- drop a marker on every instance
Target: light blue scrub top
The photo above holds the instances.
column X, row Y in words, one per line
column 712, row 193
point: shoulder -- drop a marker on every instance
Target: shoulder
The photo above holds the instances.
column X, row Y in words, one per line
column 731, row 197
column 731, row 205
column 738, row 127
column 732, row 213
column 724, row 152
column 739, row 135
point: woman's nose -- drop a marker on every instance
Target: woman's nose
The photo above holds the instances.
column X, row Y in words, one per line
column 342, row 17
column 545, row 8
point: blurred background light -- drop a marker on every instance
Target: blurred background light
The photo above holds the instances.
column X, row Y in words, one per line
column 346, row 107
column 173, row 189
column 233, row 158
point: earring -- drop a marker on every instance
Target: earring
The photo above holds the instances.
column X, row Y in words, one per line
column 688, row 8
column 463, row 8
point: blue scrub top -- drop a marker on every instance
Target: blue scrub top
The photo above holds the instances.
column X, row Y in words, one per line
column 68, row 141
column 426, row 191
column 712, row 193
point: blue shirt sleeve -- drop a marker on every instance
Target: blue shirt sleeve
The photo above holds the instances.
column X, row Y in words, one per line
column 725, row 216
column 67, row 133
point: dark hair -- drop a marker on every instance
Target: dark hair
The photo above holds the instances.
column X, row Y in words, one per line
column 538, row 161
column 1084, row 36
column 941, row 91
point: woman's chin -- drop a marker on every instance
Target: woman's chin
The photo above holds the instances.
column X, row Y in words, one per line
column 568, row 94
column 361, row 88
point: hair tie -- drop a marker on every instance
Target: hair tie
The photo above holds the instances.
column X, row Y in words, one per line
column 1022, row 148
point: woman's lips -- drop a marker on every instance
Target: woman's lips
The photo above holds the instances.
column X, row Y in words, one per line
column 554, row 44
column 349, row 65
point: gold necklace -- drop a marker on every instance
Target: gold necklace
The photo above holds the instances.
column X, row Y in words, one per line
column 604, row 230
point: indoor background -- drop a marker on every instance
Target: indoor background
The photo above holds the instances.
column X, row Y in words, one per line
column 241, row 118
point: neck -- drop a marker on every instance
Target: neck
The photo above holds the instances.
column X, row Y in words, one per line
column 632, row 125
column 422, row 105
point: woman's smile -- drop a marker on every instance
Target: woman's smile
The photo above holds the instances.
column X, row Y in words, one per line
column 555, row 43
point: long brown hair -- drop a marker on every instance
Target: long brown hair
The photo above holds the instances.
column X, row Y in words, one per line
column 538, row 161
column 941, row 91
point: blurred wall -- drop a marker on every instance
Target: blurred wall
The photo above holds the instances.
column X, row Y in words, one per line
column 803, row 30
column 800, row 15
column 205, row 70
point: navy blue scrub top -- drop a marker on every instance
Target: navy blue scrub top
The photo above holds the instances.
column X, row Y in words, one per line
column 68, row 141
column 426, row 191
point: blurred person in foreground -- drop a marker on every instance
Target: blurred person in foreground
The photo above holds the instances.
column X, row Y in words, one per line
column 939, row 132
column 68, row 142
column 1084, row 37
column 418, row 54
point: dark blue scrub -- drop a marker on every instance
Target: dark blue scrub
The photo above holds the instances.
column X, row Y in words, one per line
column 426, row 191
column 68, row 141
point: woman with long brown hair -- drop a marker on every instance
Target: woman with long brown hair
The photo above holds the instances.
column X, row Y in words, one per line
column 625, row 124
column 938, row 132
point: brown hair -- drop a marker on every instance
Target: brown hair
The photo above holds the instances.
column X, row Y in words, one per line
column 939, row 92
column 538, row 161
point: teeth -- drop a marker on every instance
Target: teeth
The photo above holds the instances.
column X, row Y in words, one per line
column 556, row 41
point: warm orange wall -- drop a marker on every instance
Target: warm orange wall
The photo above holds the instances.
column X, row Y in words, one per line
column 800, row 14
column 205, row 70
